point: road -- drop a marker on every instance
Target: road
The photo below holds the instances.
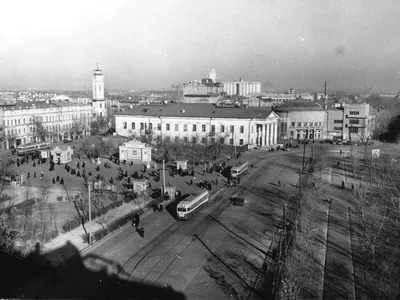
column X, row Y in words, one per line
column 217, row 254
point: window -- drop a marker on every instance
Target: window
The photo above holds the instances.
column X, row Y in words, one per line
column 293, row 124
column 194, row 140
column 150, row 126
column 158, row 126
column 185, row 139
column 320, row 123
column 310, row 124
column 232, row 128
column 8, row 122
column 203, row 140
column 222, row 128
column 101, row 106
column 305, row 124
column 292, row 133
column 338, row 121
column 353, row 129
column 124, row 125
column 299, row 124
column 221, row 141
column 133, row 125
column 241, row 142
column 354, row 112
column 134, row 152
column 230, row 141
column 203, row 128
column 141, row 126
column 212, row 128
column 19, row 121
column 167, row 139
column 176, row 127
column 354, row 121
column 184, row 127
column 241, row 129
column 337, row 128
column 194, row 127
column 167, row 127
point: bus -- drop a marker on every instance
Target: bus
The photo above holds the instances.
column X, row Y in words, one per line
column 240, row 169
column 189, row 206
column 30, row 148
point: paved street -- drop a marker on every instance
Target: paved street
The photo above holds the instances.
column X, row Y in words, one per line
column 216, row 254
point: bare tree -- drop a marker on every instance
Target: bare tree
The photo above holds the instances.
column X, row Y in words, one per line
column 39, row 129
column 382, row 121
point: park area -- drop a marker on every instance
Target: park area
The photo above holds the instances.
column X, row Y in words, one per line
column 47, row 206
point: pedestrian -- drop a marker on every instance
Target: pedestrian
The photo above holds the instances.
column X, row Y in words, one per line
column 338, row 163
column 34, row 174
column 54, row 181
column 161, row 208
column 142, row 232
column 279, row 182
column 340, row 152
column 62, row 181
column 58, row 178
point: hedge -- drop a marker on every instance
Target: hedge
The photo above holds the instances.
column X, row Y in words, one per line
column 112, row 226
column 76, row 221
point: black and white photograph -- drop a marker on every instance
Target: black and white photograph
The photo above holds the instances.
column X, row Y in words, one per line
column 186, row 149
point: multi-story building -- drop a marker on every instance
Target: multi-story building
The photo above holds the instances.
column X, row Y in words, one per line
column 350, row 122
column 28, row 122
column 200, row 123
column 301, row 119
column 242, row 88
column 204, row 91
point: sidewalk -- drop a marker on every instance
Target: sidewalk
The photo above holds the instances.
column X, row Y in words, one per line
column 338, row 273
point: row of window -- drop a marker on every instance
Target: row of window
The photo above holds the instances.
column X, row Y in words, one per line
column 310, row 124
column 143, row 126
column 309, row 135
column 33, row 129
column 203, row 140
column 352, row 121
column 17, row 122
column 354, row 112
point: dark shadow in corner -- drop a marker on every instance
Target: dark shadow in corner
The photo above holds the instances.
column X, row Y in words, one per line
column 35, row 277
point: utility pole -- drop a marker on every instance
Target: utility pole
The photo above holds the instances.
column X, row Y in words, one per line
column 163, row 164
column 304, row 154
column 300, row 181
column 90, row 215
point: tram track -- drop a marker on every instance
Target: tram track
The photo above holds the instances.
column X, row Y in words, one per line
column 165, row 260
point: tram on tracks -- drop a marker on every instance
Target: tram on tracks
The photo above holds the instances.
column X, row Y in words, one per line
column 191, row 205
column 240, row 169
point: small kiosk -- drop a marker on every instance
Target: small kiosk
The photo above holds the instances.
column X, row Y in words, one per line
column 170, row 191
column 62, row 153
column 140, row 185
column 181, row 164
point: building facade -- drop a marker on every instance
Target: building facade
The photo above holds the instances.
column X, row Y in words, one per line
column 28, row 122
column 353, row 122
column 200, row 124
column 204, row 91
column 135, row 151
column 242, row 88
column 301, row 120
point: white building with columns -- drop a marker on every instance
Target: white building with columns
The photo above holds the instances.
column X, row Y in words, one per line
column 200, row 124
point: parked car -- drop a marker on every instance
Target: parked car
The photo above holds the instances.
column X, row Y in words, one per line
column 237, row 201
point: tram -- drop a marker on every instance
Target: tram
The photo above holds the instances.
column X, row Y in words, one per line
column 191, row 205
column 29, row 148
column 240, row 169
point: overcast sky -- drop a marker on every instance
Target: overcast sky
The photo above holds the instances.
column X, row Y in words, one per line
column 353, row 44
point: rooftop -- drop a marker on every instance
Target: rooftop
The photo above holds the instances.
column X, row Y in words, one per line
column 198, row 111
column 40, row 104
column 298, row 105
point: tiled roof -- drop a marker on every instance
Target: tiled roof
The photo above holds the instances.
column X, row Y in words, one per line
column 197, row 111
column 62, row 147
column 41, row 104
column 298, row 105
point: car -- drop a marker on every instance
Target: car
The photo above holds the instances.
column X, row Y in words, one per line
column 237, row 201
